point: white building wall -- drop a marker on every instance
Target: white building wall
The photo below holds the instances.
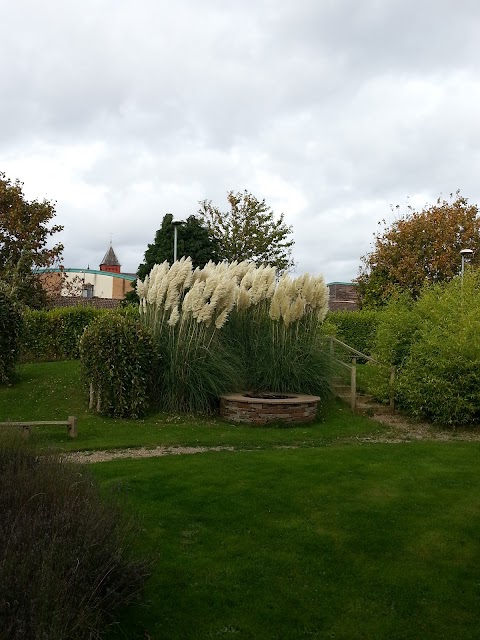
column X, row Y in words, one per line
column 102, row 284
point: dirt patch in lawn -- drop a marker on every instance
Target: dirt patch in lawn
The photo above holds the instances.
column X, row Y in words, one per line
column 401, row 429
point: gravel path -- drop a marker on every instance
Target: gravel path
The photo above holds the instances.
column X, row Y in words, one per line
column 84, row 457
column 400, row 430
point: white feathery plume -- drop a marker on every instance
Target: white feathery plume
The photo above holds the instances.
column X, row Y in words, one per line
column 271, row 281
column 241, row 269
column 221, row 319
column 187, row 283
column 297, row 309
column 243, row 300
column 193, row 301
column 284, row 306
column 219, row 292
column 146, row 284
column 140, row 289
column 185, row 272
column 162, row 278
column 174, row 317
column 210, row 284
column 274, row 311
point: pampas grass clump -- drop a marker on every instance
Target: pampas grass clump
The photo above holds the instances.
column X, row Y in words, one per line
column 233, row 326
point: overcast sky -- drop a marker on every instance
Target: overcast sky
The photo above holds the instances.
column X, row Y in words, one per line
column 331, row 110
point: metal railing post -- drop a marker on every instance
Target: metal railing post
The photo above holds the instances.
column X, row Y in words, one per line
column 353, row 385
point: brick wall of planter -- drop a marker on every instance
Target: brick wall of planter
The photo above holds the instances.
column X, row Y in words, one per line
column 237, row 408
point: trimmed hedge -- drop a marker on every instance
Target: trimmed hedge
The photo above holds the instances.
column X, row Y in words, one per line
column 118, row 365
column 356, row 328
column 10, row 330
column 55, row 334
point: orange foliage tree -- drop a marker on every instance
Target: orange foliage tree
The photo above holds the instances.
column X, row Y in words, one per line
column 25, row 234
column 421, row 248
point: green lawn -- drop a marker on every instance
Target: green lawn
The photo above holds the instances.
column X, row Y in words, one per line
column 335, row 539
column 52, row 391
column 345, row 542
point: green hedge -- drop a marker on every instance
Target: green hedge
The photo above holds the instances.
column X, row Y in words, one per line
column 356, row 328
column 10, row 331
column 55, row 334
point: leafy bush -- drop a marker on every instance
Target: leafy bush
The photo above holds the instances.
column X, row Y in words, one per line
column 440, row 378
column 396, row 331
column 10, row 330
column 433, row 343
column 64, row 561
column 55, row 334
column 118, row 364
column 356, row 328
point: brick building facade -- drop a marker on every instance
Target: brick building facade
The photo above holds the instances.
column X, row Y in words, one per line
column 343, row 296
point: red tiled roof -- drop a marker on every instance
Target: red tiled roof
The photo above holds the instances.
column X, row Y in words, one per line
column 76, row 301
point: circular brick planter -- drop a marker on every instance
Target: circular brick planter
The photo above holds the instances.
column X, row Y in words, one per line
column 288, row 408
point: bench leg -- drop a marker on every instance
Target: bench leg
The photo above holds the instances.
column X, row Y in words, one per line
column 72, row 426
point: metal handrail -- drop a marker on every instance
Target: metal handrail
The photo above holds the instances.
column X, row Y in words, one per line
column 353, row 370
column 359, row 354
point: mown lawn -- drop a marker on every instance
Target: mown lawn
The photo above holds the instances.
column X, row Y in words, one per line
column 338, row 538
column 345, row 542
column 52, row 391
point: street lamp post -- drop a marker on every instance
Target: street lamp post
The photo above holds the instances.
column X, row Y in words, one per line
column 465, row 253
column 175, row 245
column 175, row 225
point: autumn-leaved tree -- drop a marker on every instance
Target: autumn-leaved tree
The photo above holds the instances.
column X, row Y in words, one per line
column 25, row 233
column 250, row 230
column 423, row 247
column 193, row 240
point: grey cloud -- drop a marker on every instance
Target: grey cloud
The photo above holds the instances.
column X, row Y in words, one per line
column 354, row 105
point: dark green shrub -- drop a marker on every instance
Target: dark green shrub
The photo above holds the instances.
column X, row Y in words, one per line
column 118, row 364
column 356, row 328
column 65, row 565
column 10, row 330
column 55, row 334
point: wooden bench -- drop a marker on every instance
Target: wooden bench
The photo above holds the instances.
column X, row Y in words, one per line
column 25, row 426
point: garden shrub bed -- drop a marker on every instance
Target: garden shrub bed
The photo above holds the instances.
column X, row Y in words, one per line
column 65, row 561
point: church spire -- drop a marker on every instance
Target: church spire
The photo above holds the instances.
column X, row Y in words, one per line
column 110, row 261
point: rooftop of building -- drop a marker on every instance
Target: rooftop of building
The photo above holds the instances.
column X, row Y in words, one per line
column 109, row 274
column 110, row 259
